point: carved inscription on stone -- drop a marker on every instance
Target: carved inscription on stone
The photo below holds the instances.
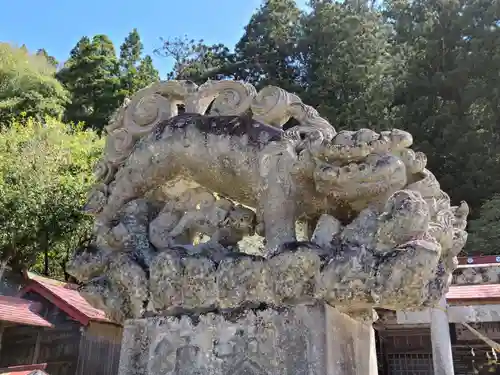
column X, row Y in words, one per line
column 255, row 343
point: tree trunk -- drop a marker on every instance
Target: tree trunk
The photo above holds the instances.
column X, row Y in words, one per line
column 45, row 247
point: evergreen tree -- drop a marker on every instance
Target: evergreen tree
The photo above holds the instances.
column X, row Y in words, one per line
column 92, row 76
column 146, row 72
column 50, row 59
column 484, row 236
column 131, row 50
column 136, row 73
column 448, row 94
column 197, row 61
column 346, row 66
column 268, row 46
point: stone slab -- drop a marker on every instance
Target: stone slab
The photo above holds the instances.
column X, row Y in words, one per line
column 301, row 340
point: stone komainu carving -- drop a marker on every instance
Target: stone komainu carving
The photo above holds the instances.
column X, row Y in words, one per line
column 382, row 233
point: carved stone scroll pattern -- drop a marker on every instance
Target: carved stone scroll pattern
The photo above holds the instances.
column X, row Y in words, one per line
column 178, row 196
column 158, row 102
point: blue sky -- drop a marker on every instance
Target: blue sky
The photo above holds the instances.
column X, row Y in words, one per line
column 57, row 25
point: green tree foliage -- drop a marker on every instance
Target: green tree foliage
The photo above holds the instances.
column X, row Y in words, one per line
column 197, row 61
column 92, row 76
column 99, row 80
column 50, row 59
column 45, row 172
column 268, row 46
column 28, row 86
column 448, row 95
column 346, row 63
column 130, row 50
column 146, row 72
column 136, row 72
column 430, row 67
column 485, row 230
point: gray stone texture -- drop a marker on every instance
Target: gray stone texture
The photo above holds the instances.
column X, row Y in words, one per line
column 183, row 202
column 302, row 340
column 179, row 197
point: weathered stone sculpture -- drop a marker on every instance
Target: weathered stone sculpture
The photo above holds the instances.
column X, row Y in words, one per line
column 381, row 231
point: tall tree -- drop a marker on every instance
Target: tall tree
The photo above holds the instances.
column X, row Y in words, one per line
column 345, row 63
column 131, row 50
column 28, row 86
column 197, row 61
column 448, row 96
column 146, row 72
column 136, row 72
column 484, row 234
column 268, row 46
column 50, row 59
column 92, row 76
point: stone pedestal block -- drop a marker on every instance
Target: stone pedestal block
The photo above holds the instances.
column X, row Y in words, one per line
column 301, row 340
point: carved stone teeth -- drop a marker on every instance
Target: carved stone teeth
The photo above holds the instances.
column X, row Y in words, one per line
column 428, row 186
column 356, row 171
column 344, row 138
column 415, row 161
column 343, row 152
column 398, row 139
column 348, row 145
column 365, row 136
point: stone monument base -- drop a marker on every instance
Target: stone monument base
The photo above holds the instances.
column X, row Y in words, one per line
column 300, row 340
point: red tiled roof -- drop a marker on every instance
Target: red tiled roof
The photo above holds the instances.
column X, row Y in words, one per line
column 24, row 370
column 473, row 292
column 21, row 311
column 67, row 294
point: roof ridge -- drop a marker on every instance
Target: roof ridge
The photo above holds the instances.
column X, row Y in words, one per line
column 68, row 295
column 54, row 282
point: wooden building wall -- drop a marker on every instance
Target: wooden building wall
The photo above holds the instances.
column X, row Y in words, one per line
column 58, row 346
column 100, row 349
column 68, row 348
column 407, row 350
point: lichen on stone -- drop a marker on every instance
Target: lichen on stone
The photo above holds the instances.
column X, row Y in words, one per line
column 199, row 212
